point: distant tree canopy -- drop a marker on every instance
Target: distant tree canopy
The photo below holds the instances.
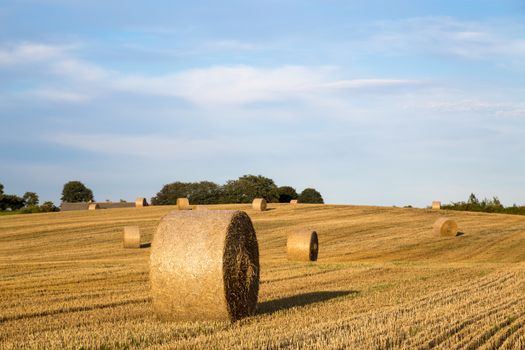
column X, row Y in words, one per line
column 248, row 187
column 30, row 198
column 242, row 190
column 204, row 192
column 286, row 194
column 76, row 191
column 493, row 205
column 310, row 195
column 28, row 203
column 11, row 202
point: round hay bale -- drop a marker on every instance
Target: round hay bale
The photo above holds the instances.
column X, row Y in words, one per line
column 294, row 202
column 94, row 206
column 302, row 245
column 204, row 265
column 259, row 204
column 141, row 202
column 131, row 237
column 436, row 205
column 183, row 203
column 445, row 227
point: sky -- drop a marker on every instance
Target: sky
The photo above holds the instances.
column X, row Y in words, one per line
column 370, row 102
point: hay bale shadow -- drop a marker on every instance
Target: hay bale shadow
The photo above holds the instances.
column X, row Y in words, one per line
column 269, row 307
column 145, row 245
column 459, row 233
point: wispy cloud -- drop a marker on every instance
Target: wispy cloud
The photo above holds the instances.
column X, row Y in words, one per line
column 29, row 52
column 448, row 36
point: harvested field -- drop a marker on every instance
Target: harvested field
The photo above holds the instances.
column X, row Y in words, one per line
column 382, row 280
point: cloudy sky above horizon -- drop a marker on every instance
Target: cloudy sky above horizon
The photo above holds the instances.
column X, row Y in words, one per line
column 388, row 104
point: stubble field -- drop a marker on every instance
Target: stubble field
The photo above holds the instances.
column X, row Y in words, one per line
column 382, row 281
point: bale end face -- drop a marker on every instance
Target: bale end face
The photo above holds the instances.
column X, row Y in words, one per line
column 204, row 265
column 294, row 201
column 259, row 204
column 436, row 205
column 131, row 237
column 445, row 227
column 302, row 245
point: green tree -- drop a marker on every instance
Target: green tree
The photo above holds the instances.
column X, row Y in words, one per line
column 169, row 193
column 204, row 192
column 1, row 189
column 286, row 194
column 49, row 206
column 248, row 187
column 11, row 202
column 76, row 191
column 30, row 198
column 310, row 195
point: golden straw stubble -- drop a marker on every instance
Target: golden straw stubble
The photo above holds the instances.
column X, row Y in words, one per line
column 445, row 227
column 131, row 237
column 302, row 245
column 259, row 204
column 204, row 265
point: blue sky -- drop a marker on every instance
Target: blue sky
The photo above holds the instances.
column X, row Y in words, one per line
column 387, row 103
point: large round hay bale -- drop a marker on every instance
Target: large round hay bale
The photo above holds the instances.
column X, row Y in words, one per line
column 131, row 237
column 445, row 227
column 141, row 202
column 259, row 204
column 204, row 265
column 183, row 203
column 302, row 245
column 294, row 201
column 436, row 205
column 94, row 206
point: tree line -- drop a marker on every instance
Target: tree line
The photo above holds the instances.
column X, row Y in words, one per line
column 242, row 190
column 493, row 205
column 28, row 203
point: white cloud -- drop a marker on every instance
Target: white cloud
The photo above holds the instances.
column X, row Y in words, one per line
column 29, row 52
column 240, row 85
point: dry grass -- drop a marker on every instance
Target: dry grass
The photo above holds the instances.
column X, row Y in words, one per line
column 382, row 281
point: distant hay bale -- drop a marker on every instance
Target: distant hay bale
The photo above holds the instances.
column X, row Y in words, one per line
column 131, row 237
column 259, row 204
column 204, row 265
column 94, row 206
column 294, row 201
column 183, row 203
column 141, row 202
column 445, row 227
column 436, row 205
column 302, row 245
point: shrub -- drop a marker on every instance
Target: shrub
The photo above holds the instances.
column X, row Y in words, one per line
column 286, row 194
column 310, row 195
